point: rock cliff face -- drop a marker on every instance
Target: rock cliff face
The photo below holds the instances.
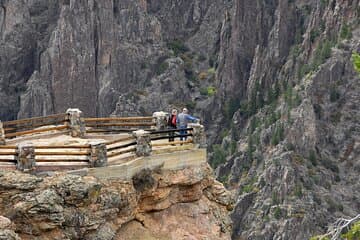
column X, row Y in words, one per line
column 184, row 204
column 276, row 76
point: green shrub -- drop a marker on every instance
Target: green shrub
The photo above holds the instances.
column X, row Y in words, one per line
column 224, row 179
column 190, row 105
column 231, row 107
column 324, row 3
column 295, row 51
column 211, row 91
column 202, row 57
column 277, row 135
column 297, row 100
column 177, row 46
column 274, row 198
column 277, row 212
column 334, row 94
column 203, row 91
column 345, row 32
column 288, row 95
column 251, row 148
column 303, row 70
column 312, row 157
column 298, row 190
column 353, row 233
column 219, row 156
column 314, row 33
column 254, row 123
column 356, row 61
column 208, row 91
column 211, row 71
column 319, row 238
column 330, row 165
column 322, row 52
column 162, row 67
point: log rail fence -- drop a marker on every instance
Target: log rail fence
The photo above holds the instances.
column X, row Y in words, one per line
column 144, row 133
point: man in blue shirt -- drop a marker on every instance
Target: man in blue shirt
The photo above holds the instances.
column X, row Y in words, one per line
column 182, row 120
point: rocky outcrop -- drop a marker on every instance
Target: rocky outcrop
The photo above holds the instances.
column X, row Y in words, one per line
column 276, row 76
column 295, row 132
column 166, row 205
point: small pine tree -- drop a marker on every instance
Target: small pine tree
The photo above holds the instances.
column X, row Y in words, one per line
column 356, row 61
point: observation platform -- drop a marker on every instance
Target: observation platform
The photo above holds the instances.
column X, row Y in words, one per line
column 106, row 147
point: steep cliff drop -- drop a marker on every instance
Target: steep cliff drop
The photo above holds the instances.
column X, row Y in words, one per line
column 184, row 204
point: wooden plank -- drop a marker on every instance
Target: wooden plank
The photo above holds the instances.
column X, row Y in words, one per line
column 171, row 143
column 110, row 130
column 32, row 126
column 117, row 153
column 64, row 153
column 7, row 162
column 82, row 147
column 121, row 146
column 119, row 140
column 8, row 147
column 62, row 163
column 38, row 136
column 36, row 131
column 119, row 124
column 7, row 153
column 118, row 119
column 61, row 157
column 8, row 157
column 172, row 149
column 34, row 119
column 41, row 160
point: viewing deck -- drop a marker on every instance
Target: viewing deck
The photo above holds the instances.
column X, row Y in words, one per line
column 107, row 147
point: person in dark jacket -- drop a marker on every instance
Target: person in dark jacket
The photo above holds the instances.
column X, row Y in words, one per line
column 182, row 120
column 172, row 124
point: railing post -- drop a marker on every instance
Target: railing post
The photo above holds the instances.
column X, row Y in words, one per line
column 98, row 155
column 77, row 124
column 143, row 143
column 160, row 120
column 199, row 137
column 25, row 157
column 2, row 134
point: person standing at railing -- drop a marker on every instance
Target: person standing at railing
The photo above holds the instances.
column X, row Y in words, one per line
column 182, row 121
column 172, row 124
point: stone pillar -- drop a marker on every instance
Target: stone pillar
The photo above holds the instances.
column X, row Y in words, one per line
column 160, row 119
column 77, row 124
column 2, row 134
column 98, row 155
column 143, row 143
column 199, row 137
column 25, row 157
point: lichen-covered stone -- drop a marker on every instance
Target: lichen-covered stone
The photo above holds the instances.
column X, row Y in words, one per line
column 143, row 143
column 67, row 206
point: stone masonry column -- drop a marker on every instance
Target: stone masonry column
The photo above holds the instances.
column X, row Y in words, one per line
column 160, row 119
column 2, row 134
column 199, row 137
column 98, row 156
column 143, row 143
column 25, row 157
column 77, row 124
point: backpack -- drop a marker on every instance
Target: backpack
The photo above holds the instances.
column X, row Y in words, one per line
column 173, row 120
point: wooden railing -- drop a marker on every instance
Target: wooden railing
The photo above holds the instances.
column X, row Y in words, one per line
column 62, row 157
column 8, row 157
column 66, row 157
column 117, row 124
column 121, row 146
column 22, row 127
